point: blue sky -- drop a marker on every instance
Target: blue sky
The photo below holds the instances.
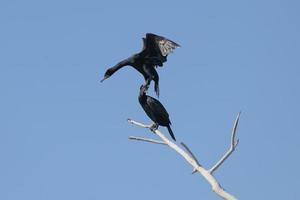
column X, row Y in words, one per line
column 63, row 135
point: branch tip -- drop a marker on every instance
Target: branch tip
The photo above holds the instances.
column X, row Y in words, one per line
column 146, row 140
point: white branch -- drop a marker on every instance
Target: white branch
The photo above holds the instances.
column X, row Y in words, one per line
column 191, row 159
column 233, row 144
column 138, row 123
column 146, row 140
column 191, row 154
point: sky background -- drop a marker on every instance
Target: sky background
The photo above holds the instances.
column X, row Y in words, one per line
column 63, row 134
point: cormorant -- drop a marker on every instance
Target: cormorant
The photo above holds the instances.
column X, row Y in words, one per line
column 154, row 53
column 155, row 111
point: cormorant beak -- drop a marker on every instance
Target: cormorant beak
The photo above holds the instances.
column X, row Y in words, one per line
column 144, row 88
column 105, row 77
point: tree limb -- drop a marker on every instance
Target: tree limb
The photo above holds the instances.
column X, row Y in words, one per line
column 191, row 159
column 233, row 144
column 146, row 140
column 191, row 154
column 138, row 123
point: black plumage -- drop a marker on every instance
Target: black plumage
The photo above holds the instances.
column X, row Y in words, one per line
column 154, row 53
column 155, row 110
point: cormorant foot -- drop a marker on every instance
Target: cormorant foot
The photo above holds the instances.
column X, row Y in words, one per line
column 154, row 127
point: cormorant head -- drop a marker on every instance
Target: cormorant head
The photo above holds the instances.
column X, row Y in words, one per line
column 107, row 74
column 143, row 90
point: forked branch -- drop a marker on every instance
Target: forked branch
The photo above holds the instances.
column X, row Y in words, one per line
column 233, row 144
column 190, row 157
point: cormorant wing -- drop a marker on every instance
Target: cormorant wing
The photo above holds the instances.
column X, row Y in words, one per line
column 158, row 45
column 159, row 110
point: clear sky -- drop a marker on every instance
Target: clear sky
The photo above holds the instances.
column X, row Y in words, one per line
column 63, row 135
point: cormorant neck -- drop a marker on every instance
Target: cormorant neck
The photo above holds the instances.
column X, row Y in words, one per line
column 142, row 97
column 121, row 64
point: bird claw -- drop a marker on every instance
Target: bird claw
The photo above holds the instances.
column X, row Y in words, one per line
column 153, row 127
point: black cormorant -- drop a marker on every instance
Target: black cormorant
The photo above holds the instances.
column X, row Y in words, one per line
column 154, row 53
column 155, row 111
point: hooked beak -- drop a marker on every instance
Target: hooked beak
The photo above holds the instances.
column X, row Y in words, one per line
column 144, row 89
column 105, row 77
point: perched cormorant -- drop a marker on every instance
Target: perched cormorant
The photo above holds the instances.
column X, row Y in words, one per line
column 154, row 53
column 155, row 111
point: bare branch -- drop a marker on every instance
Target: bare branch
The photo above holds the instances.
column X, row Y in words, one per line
column 191, row 159
column 138, row 123
column 192, row 155
column 146, row 140
column 233, row 144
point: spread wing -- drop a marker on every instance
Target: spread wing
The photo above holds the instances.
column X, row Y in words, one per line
column 157, row 46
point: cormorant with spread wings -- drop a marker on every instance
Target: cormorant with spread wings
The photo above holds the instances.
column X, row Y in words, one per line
column 154, row 53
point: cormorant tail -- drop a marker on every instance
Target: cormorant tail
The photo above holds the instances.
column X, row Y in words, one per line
column 156, row 88
column 171, row 132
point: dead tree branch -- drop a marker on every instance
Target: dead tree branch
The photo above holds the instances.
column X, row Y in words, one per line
column 233, row 144
column 192, row 155
column 146, row 140
column 191, row 159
